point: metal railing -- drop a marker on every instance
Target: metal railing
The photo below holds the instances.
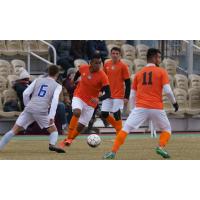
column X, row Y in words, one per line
column 39, row 57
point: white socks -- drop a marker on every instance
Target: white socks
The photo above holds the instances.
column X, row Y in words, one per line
column 53, row 137
column 6, row 138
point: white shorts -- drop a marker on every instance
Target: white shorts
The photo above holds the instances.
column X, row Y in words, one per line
column 112, row 105
column 26, row 118
column 139, row 115
column 86, row 111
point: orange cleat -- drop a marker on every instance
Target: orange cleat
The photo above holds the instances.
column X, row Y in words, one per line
column 65, row 142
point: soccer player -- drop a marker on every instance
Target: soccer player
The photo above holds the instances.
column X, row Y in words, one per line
column 119, row 79
column 85, row 99
column 42, row 94
column 146, row 95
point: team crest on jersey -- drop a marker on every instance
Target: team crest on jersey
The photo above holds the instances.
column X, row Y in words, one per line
column 89, row 76
column 83, row 74
column 113, row 67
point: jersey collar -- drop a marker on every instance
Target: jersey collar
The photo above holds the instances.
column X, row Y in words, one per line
column 150, row 64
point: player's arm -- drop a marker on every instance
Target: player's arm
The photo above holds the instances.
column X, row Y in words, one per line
column 168, row 91
column 27, row 92
column 106, row 91
column 132, row 99
column 77, row 75
column 127, row 88
column 54, row 102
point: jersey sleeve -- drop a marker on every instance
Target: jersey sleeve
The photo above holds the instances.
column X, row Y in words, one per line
column 165, row 77
column 104, row 79
column 104, row 68
column 125, row 72
column 134, row 84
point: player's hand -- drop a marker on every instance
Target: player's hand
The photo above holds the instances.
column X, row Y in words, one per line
column 51, row 121
column 94, row 100
column 125, row 102
column 176, row 106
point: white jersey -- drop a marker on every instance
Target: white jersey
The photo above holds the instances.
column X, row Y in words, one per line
column 41, row 95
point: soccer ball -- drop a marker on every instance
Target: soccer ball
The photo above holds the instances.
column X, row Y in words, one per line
column 93, row 140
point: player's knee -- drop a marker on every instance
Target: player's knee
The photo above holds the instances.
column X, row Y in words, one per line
column 117, row 115
column 77, row 113
column 104, row 114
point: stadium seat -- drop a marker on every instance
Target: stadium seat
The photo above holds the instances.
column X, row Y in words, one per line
column 171, row 79
column 141, row 51
column 17, row 65
column 181, row 81
column 4, row 64
column 2, row 46
column 194, row 101
column 139, row 64
column 33, row 46
column 130, row 65
column 3, row 84
column 11, row 79
column 194, row 81
column 181, row 98
column 167, row 104
column 128, row 52
column 79, row 62
column 14, row 47
column 43, row 48
column 118, row 43
column 170, row 65
column 8, row 95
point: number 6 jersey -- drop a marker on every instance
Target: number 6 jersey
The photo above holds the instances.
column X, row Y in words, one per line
column 42, row 91
column 148, row 84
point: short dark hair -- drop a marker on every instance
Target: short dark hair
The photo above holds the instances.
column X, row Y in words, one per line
column 152, row 52
column 96, row 56
column 53, row 70
column 115, row 49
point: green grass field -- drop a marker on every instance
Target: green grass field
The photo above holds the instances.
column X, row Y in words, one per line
column 136, row 147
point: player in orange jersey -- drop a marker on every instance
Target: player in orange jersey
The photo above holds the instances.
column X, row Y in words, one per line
column 146, row 97
column 119, row 79
column 85, row 99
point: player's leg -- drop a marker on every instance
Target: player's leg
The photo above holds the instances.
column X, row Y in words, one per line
column 77, row 106
column 106, row 108
column 160, row 120
column 84, row 119
column 117, row 107
column 134, row 120
column 23, row 121
column 53, row 138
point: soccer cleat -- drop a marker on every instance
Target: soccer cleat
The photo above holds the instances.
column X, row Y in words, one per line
column 56, row 149
column 162, row 152
column 109, row 155
column 65, row 142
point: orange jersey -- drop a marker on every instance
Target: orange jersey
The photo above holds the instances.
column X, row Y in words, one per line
column 90, row 85
column 116, row 73
column 148, row 84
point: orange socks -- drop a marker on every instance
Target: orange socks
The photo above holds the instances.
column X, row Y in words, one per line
column 164, row 138
column 74, row 134
column 72, row 126
column 116, row 124
column 111, row 120
column 121, row 136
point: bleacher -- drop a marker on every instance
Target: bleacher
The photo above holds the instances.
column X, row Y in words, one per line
column 186, row 88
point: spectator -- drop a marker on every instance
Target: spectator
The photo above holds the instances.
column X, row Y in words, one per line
column 79, row 49
column 68, row 84
column 97, row 47
column 63, row 50
column 20, row 85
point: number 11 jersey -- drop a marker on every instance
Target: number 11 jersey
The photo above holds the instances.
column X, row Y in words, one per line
column 148, row 84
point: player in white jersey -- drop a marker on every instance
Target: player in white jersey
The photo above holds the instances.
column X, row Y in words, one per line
column 40, row 100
